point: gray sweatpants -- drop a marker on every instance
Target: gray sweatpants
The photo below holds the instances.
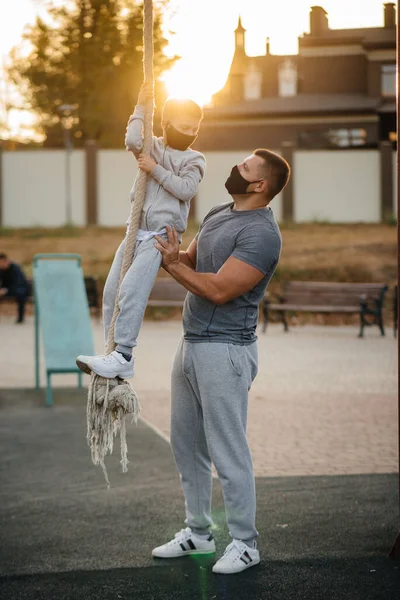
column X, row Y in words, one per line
column 134, row 293
column 210, row 384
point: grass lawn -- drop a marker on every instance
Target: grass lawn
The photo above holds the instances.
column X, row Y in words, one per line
column 319, row 252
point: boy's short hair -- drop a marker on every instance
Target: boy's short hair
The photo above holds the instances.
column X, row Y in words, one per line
column 175, row 107
column 276, row 170
column 3, row 256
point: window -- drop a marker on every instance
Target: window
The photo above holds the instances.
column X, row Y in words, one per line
column 333, row 138
column 287, row 79
column 346, row 138
column 388, row 80
column 252, row 83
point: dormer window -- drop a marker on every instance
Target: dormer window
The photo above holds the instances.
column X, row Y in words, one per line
column 287, row 78
column 388, row 80
column 252, row 83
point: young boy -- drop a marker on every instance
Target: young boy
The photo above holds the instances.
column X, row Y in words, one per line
column 175, row 172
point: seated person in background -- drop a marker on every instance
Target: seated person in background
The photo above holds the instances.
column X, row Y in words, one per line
column 13, row 284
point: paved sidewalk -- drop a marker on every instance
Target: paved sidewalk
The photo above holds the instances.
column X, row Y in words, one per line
column 324, row 402
column 65, row 537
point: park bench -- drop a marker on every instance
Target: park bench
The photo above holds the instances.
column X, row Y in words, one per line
column 167, row 293
column 366, row 299
column 91, row 293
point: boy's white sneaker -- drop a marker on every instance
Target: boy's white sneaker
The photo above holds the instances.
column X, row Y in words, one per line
column 109, row 366
column 184, row 543
column 237, row 557
column 82, row 362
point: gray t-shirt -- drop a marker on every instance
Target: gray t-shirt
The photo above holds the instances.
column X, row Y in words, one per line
column 252, row 236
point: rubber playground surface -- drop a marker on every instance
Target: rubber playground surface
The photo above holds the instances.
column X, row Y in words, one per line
column 65, row 536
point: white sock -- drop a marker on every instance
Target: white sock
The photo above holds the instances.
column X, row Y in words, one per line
column 203, row 536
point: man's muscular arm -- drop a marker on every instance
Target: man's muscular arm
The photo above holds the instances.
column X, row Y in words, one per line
column 233, row 279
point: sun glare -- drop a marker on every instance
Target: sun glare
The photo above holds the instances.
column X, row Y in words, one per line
column 180, row 84
column 203, row 35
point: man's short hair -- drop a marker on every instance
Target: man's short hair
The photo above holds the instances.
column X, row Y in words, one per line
column 3, row 256
column 174, row 107
column 276, row 171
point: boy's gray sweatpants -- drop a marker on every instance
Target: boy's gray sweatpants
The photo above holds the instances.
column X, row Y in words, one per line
column 210, row 384
column 134, row 293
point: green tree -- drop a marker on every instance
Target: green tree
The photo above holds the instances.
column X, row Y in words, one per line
column 88, row 55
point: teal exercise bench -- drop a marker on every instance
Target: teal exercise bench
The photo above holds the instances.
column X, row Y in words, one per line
column 61, row 315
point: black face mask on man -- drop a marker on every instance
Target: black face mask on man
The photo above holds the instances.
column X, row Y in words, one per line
column 178, row 140
column 237, row 184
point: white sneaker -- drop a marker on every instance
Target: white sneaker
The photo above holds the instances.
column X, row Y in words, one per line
column 109, row 366
column 237, row 557
column 82, row 362
column 185, row 542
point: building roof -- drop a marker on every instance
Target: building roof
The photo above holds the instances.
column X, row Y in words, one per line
column 302, row 103
column 240, row 26
column 366, row 35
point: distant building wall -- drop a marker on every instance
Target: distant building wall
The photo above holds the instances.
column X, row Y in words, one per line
column 347, row 73
column 33, row 188
column 337, row 186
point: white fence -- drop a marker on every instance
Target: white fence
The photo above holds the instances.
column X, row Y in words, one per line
column 336, row 186
column 116, row 172
column 34, row 191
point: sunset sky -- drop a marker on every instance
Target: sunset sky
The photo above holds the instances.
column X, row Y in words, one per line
column 204, row 33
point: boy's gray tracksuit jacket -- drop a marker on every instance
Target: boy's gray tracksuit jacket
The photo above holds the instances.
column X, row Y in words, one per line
column 173, row 182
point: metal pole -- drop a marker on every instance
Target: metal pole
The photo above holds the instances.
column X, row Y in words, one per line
column 68, row 200
column 66, row 111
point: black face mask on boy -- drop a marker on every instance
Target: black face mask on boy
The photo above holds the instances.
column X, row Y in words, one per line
column 237, row 184
column 178, row 140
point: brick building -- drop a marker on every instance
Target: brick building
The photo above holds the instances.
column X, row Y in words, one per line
column 338, row 91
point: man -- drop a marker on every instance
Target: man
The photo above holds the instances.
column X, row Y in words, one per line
column 226, row 270
column 13, row 284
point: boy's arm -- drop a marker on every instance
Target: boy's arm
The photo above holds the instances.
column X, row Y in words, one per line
column 185, row 185
column 134, row 130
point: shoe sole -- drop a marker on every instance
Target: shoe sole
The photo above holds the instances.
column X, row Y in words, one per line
column 84, row 367
column 189, row 552
column 254, row 562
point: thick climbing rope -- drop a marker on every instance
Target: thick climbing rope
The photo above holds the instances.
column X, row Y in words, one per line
column 110, row 401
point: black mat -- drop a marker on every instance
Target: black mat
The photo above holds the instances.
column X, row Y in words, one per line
column 64, row 536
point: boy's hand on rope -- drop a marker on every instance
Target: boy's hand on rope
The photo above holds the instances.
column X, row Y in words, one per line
column 146, row 93
column 169, row 248
column 146, row 163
